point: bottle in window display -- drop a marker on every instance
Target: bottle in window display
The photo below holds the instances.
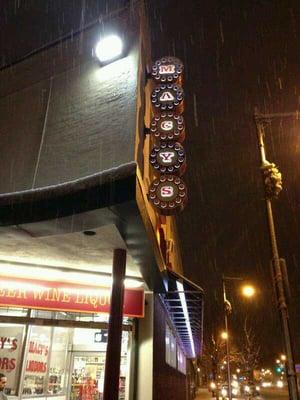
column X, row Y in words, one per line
column 75, row 394
column 54, row 384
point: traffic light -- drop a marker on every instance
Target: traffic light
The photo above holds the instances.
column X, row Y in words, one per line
column 272, row 180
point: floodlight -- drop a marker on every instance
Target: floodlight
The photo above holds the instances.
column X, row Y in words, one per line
column 109, row 48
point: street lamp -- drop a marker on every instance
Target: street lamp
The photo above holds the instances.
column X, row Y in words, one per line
column 224, row 335
column 283, row 357
column 247, row 291
column 273, row 186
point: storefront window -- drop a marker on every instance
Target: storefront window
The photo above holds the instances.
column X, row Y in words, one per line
column 124, row 372
column 37, row 362
column 11, row 340
column 87, row 376
column 181, row 361
column 170, row 347
column 17, row 312
column 46, row 363
column 88, row 364
column 174, row 355
column 58, row 361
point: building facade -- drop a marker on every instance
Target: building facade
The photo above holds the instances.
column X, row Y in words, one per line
column 75, row 176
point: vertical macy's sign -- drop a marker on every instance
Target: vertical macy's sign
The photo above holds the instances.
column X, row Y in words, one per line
column 167, row 192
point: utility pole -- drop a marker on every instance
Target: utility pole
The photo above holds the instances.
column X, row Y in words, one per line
column 273, row 186
column 227, row 310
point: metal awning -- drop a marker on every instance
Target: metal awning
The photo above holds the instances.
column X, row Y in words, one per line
column 183, row 301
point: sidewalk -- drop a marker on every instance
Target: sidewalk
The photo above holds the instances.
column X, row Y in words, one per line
column 203, row 394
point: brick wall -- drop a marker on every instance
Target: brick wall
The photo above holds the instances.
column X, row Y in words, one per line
column 63, row 117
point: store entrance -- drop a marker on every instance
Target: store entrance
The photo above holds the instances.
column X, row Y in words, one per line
column 87, row 376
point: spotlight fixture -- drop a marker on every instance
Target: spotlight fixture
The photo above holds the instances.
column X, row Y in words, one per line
column 109, row 48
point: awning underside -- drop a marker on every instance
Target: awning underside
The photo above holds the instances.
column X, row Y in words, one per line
column 184, row 304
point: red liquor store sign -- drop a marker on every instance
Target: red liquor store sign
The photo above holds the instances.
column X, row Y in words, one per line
column 61, row 296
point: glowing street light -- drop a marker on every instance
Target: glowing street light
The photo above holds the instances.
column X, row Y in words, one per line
column 283, row 357
column 224, row 335
column 109, row 48
column 248, row 291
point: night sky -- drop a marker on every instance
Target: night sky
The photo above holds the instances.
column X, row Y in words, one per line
column 237, row 55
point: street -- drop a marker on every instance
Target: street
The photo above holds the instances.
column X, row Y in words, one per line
column 266, row 394
column 274, row 394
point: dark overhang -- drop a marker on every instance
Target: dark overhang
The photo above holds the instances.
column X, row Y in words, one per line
column 104, row 198
column 183, row 301
column 104, row 189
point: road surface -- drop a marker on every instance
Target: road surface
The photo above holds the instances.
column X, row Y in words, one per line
column 266, row 394
column 275, row 394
